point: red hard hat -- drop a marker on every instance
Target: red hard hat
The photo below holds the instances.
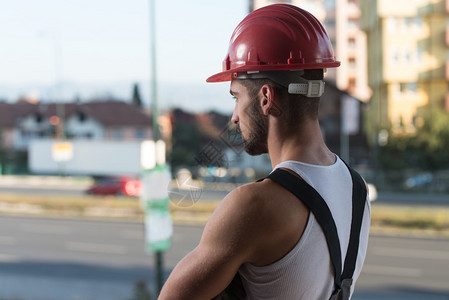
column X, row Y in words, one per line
column 275, row 38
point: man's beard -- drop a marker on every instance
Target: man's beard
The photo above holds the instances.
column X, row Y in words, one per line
column 256, row 142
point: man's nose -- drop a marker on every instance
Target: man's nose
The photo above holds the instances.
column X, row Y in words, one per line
column 235, row 117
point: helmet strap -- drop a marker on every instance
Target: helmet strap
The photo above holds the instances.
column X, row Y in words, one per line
column 311, row 89
column 292, row 80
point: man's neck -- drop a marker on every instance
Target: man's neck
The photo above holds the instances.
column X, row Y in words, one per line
column 305, row 145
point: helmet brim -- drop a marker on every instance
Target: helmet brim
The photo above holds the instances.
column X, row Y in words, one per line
column 227, row 75
column 220, row 77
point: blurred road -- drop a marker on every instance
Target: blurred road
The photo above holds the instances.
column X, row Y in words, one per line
column 209, row 194
column 54, row 185
column 19, row 188
column 405, row 268
column 59, row 259
column 414, row 199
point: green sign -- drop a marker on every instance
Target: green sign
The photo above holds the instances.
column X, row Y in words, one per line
column 156, row 204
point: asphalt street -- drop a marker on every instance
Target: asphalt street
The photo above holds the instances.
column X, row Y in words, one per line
column 209, row 193
column 58, row 259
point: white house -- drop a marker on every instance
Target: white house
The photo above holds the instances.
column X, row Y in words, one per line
column 101, row 120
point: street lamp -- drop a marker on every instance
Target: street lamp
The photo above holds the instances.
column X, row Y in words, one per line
column 57, row 65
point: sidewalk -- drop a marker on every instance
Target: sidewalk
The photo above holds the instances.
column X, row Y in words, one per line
column 412, row 198
column 45, row 182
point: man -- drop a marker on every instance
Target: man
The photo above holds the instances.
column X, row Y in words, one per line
column 261, row 231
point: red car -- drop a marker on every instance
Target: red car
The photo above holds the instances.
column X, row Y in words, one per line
column 122, row 186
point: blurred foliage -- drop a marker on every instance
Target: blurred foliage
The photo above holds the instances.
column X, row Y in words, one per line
column 2, row 154
column 427, row 150
column 12, row 162
column 136, row 98
column 197, row 140
column 187, row 143
column 410, row 218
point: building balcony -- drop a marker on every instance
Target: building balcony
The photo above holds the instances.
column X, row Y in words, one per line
column 351, row 51
column 447, row 70
column 446, row 102
column 447, row 34
column 354, row 11
column 434, row 8
column 440, row 72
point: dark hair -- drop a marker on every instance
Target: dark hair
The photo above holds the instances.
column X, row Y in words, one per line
column 293, row 109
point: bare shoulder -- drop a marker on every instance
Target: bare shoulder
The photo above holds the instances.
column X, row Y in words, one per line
column 238, row 209
column 248, row 204
column 258, row 197
column 255, row 217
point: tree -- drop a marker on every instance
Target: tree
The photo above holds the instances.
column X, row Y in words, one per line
column 3, row 155
column 427, row 150
column 186, row 145
column 137, row 100
column 433, row 138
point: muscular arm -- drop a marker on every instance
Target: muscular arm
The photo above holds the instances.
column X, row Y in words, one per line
column 252, row 224
column 226, row 243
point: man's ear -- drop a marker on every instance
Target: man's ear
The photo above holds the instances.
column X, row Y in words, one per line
column 269, row 99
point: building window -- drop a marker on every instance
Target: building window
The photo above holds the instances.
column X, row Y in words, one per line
column 329, row 23
column 410, row 87
column 409, row 22
column 81, row 117
column 351, row 83
column 419, row 54
column 418, row 22
column 392, row 24
column 352, row 23
column 403, row 25
column 351, row 42
column 330, row 4
column 38, row 118
column 394, row 55
column 351, row 62
column 140, row 134
column 407, row 57
column 117, row 134
column 352, row 4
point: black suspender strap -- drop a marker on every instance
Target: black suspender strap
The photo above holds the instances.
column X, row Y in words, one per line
column 359, row 194
column 316, row 204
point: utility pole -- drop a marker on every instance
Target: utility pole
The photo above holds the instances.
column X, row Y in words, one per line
column 60, row 106
column 250, row 6
column 159, row 259
column 55, row 38
column 153, row 85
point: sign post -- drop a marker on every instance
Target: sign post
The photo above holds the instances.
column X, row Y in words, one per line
column 157, row 209
column 62, row 152
column 350, row 113
column 155, row 202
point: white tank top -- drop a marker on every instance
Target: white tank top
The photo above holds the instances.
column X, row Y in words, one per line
column 306, row 271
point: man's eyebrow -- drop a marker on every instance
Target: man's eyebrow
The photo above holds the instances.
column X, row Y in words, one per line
column 233, row 93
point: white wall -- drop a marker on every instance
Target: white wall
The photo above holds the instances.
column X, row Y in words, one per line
column 83, row 129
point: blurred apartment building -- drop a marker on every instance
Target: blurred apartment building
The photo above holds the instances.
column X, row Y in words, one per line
column 341, row 21
column 408, row 59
